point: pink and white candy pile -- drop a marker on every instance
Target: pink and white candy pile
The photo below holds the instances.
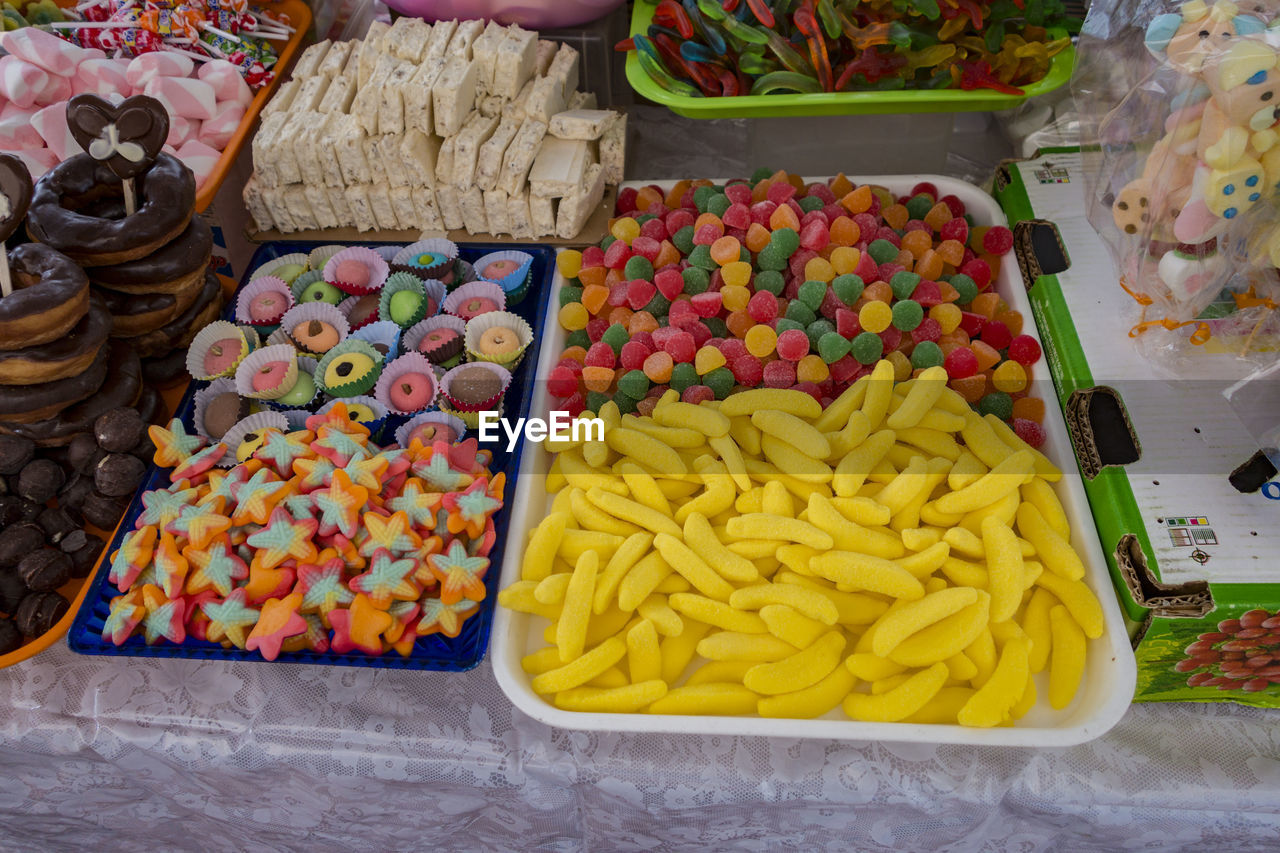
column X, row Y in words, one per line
column 42, row 72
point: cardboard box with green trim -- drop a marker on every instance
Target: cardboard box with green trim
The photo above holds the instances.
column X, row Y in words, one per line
column 1192, row 556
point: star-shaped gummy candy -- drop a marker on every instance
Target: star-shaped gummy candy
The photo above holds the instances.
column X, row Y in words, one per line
column 229, row 618
column 216, row 567
column 164, row 617
column 339, row 447
column 132, row 557
column 322, row 587
column 314, row 473
column 416, row 502
column 339, row 506
column 126, row 614
column 338, row 418
column 300, row 505
column 470, row 509
column 359, row 627
column 367, row 472
column 440, row 618
column 284, row 538
column 278, row 620
column 387, row 580
column 174, row 445
column 439, row 474
column 279, row 450
column 198, row 463
column 223, row 487
column 161, row 506
column 171, row 566
column 257, row 497
column 394, row 533
column 198, row 525
column 404, row 613
column 460, row 575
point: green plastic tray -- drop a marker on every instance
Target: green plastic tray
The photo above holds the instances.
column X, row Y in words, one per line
column 834, row 103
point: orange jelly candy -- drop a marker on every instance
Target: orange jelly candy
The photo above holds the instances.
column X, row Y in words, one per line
column 592, row 275
column 597, row 378
column 857, row 200
column 895, row 216
column 841, row 186
column 641, row 321
column 757, row 237
column 594, row 297
column 677, row 192
column 578, row 354
column 917, row 242
column 987, row 356
column 784, row 217
column 708, row 219
column 985, row 304
column 929, row 266
column 739, row 323
column 972, row 388
column 667, row 254
column 658, row 366
column 620, row 315
column 949, row 293
column 1030, row 408
column 937, row 216
column 844, row 231
column 1012, row 321
column 647, row 197
column 878, row 291
column 725, row 250
column 951, row 252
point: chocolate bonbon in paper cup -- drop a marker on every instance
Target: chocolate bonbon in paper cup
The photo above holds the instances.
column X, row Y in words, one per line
column 429, row 259
column 356, row 270
column 262, row 302
column 268, row 373
column 315, row 327
column 407, row 385
column 440, row 339
column 442, row 426
column 218, row 407
column 512, row 270
column 475, row 298
column 250, row 431
column 349, row 369
column 466, row 390
column 360, row 310
column 217, row 350
column 384, row 335
column 498, row 336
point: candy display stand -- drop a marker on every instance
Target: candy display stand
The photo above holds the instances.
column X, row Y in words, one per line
column 1104, row 693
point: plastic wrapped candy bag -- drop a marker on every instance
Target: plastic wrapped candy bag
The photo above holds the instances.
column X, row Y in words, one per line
column 1184, row 186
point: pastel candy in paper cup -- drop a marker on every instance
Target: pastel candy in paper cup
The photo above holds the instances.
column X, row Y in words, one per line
column 510, row 269
column 383, row 335
column 360, row 310
column 246, row 436
column 422, row 299
column 305, row 392
column 318, row 257
column 408, row 385
column 430, row 427
column 311, row 287
column 218, row 349
column 498, row 336
column 439, row 338
column 430, row 258
column 263, row 301
column 350, row 369
column 356, row 270
column 286, row 267
column 315, row 327
column 215, row 411
column 268, row 373
column 475, row 298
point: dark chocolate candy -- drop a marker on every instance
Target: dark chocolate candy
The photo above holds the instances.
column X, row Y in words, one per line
column 126, row 136
column 10, row 636
column 119, row 474
column 15, row 190
column 103, row 511
column 56, row 523
column 12, row 590
column 152, row 408
column 10, row 510
column 72, row 496
column 474, row 385
column 30, row 510
column 84, row 557
column 83, row 453
column 18, row 540
column 15, row 452
column 39, row 612
column 45, row 569
column 118, row 430
column 40, row 480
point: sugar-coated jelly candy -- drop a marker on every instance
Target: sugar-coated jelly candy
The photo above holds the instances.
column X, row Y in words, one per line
column 625, row 229
column 815, row 330
column 597, row 378
column 1010, row 377
column 978, row 270
column 812, row 368
column 847, row 323
column 633, row 355
column 997, row 240
column 1030, row 408
column 819, row 269
column 682, row 376
column 987, row 357
column 947, row 316
column 696, row 394
column 569, row 294
column 707, row 359
column 833, row 346
column 573, row 316
column 904, row 284
column 639, row 292
column 679, row 345
column 724, row 250
column 1024, row 349
column 736, row 273
column 996, row 403
column 907, row 315
column 760, row 340
column 926, row 354
column 812, row 292
column 738, row 323
column 561, row 382
column 793, row 345
column 638, row 267
column 1029, row 431
column 996, row 334
column 779, row 374
column 645, row 247
column 600, row 354
column 800, row 312
column 633, row 383
column 748, row 371
column 891, row 338
column 867, row 348
column 875, row 316
column 848, row 287
column 961, row 363
column 882, row 251
column 720, row 381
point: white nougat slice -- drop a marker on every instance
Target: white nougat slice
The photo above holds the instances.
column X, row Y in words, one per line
column 517, row 58
column 424, row 200
column 408, row 38
column 255, row 202
column 545, row 100
column 471, row 202
column 370, row 50
column 311, row 59
column 520, row 155
column 454, row 95
column 328, row 142
column 542, row 216
column 545, row 54
column 613, row 151
column 475, row 133
column 559, row 168
column 351, row 157
column 565, row 69
column 519, row 220
column 335, row 60
column 273, row 197
column 417, row 96
column 581, row 124
column 361, row 207
column 444, row 161
column 389, row 154
column 405, row 210
column 489, row 163
column 383, row 212
column 582, row 101
column 576, row 209
column 418, row 151
column 464, row 37
column 495, row 212
column 377, row 169
column 341, row 208
column 264, row 147
column 305, row 131
column 391, row 106
column 311, row 94
column 283, row 98
column 441, row 34
column 340, row 95
column 448, row 204
column 295, row 199
column 318, row 200
column 484, row 50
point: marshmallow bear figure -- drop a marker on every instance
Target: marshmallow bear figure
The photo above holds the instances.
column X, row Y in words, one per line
column 1197, row 32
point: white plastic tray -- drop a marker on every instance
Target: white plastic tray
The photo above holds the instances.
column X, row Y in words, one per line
column 1110, row 672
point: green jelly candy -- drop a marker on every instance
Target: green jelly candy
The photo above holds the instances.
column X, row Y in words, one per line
column 770, row 280
column 926, row 354
column 903, row 283
column 801, row 313
column 811, row 293
column 701, row 257
column 966, row 287
column 882, row 251
column 810, row 202
column 867, row 348
column 683, row 239
column 717, row 327
column 785, row 324
column 702, row 197
column 595, row 400
column 833, row 346
column 817, row 329
column 644, row 217
column 720, row 381
column 919, row 205
column 760, row 174
column 683, row 375
column 570, row 294
column 996, row 403
column 638, row 266
column 744, row 254
column 580, row 338
column 787, row 239
column 626, row 405
column 608, row 241
column 616, row 336
column 848, row 287
column 718, row 204
column 907, row 314
column 658, row 305
column 634, row 384
column 772, row 258
column 696, row 280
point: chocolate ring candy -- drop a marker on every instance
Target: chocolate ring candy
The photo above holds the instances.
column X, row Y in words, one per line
column 121, row 387
column 51, row 294
column 170, row 269
column 65, row 357
column 15, row 194
column 126, row 137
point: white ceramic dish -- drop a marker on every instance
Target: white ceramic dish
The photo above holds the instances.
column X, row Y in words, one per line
column 1104, row 694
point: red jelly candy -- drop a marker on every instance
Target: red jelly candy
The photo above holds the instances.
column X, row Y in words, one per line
column 669, row 282
column 891, row 337
column 761, row 211
column 960, row 363
column 887, row 233
column 997, row 240
column 822, row 191
column 707, row 304
column 646, row 247
column 654, row 229
column 645, row 339
column 956, row 205
column 972, row 323
column 779, row 374
column 996, row 335
column 626, row 200
column 815, row 235
column 1029, row 431
column 780, row 192
column 763, row 307
column 738, row 193
column 680, row 346
column 574, row 404
column 675, row 220
column 866, row 268
column 737, row 215
column 747, row 370
column 618, row 294
column 697, row 394
column 592, row 256
column 809, row 388
column 701, row 334
column 707, row 234
column 793, row 345
column 830, row 304
column 955, row 229
column 632, row 356
column 732, row 348
column 639, row 293
column 1024, row 349
column 867, row 224
column 844, row 371
column 600, row 355
column 847, row 323
column 617, row 255
column 927, row 293
column 889, row 270
column 596, row 327
column 926, row 188
column 562, row 382
column 928, row 330
column 681, row 311
column 977, row 270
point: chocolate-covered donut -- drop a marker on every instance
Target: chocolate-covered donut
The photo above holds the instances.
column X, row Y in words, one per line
column 171, row 269
column 166, row 371
column 182, row 330
column 135, row 314
column 50, row 296
column 166, row 200
column 65, row 357
column 121, row 387
column 24, row 404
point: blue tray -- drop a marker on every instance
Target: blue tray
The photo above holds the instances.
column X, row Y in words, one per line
column 434, row 652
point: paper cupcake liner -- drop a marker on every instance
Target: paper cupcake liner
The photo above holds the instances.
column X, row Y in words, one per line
column 321, row 311
column 253, row 423
column 320, row 256
column 411, row 362
column 305, row 365
column 274, row 264
column 400, row 282
column 377, row 269
column 256, row 360
column 206, row 395
column 456, row 405
column 302, row 282
column 470, row 419
column 512, row 280
column 439, row 417
column 382, row 333
column 280, row 337
column 347, row 305
column 387, row 252
column 256, row 288
column 495, row 319
column 406, row 258
column 297, row 418
column 379, row 410
column 413, row 337
column 471, row 290
column 359, row 385
column 207, row 337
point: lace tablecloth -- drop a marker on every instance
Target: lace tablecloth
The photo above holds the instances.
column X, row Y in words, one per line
column 117, row 753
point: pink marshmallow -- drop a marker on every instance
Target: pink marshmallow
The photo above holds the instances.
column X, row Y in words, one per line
column 43, row 49
column 200, row 158
column 38, row 161
column 51, row 124
column 148, row 66
column 227, row 83
column 217, row 131
column 56, row 89
column 183, row 96
column 11, row 109
column 104, row 75
column 17, row 134
column 20, row 81
column 182, row 130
